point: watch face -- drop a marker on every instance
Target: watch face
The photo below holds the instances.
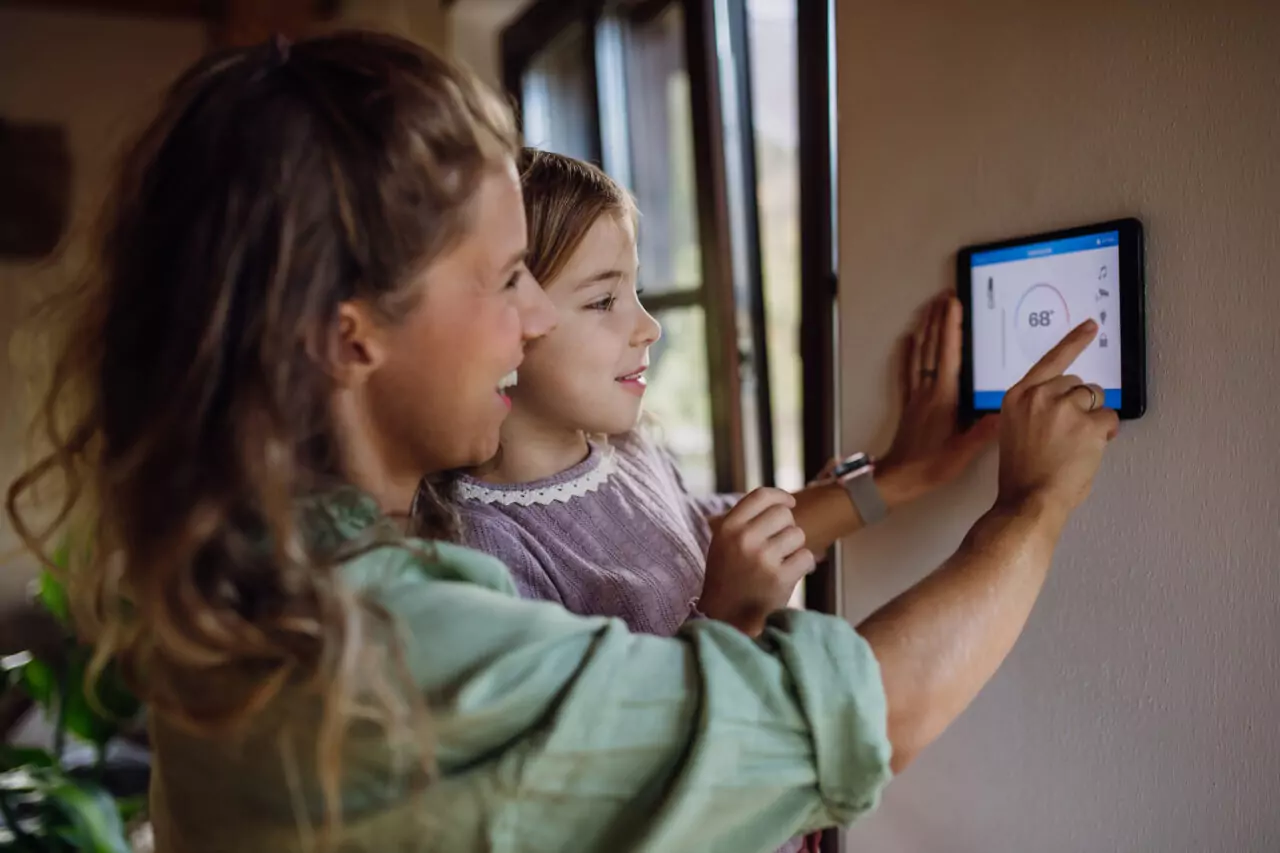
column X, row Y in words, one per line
column 851, row 465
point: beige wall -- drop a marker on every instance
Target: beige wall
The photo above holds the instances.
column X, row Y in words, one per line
column 1139, row 711
column 100, row 77
column 476, row 27
column 424, row 21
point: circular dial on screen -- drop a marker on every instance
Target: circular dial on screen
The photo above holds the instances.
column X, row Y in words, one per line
column 1040, row 320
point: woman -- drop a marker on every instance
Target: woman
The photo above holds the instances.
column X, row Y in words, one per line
column 311, row 290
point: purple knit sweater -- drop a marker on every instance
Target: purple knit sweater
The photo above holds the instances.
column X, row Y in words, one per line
column 616, row 535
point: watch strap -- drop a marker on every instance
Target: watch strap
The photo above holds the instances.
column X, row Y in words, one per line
column 861, row 487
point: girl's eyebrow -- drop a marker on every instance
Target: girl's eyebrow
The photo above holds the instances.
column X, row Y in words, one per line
column 603, row 276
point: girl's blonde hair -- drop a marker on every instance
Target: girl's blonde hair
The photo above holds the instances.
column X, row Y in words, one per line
column 563, row 198
column 188, row 417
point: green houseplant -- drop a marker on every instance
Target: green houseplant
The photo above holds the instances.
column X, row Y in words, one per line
column 47, row 802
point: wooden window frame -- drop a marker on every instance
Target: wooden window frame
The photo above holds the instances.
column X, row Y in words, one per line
column 819, row 282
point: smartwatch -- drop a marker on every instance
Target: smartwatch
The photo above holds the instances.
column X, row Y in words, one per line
column 856, row 474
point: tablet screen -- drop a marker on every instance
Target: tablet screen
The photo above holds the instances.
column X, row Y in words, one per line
column 1026, row 298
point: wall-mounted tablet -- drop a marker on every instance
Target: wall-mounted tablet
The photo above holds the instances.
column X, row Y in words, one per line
column 1021, row 296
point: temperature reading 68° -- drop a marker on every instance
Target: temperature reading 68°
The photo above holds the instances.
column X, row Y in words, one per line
column 1040, row 320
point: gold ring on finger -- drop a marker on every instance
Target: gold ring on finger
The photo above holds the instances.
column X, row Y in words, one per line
column 1093, row 397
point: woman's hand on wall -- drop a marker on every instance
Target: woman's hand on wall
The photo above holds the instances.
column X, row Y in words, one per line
column 929, row 448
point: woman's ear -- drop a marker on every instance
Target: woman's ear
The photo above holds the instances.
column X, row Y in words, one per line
column 357, row 344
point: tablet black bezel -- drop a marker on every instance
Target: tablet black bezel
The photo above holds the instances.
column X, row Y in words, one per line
column 1133, row 311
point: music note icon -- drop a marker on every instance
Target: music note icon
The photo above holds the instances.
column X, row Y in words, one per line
column 1102, row 273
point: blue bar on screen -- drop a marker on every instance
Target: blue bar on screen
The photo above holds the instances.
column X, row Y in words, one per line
column 1041, row 250
column 991, row 401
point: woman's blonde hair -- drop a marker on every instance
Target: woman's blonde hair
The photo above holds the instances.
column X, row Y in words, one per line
column 187, row 417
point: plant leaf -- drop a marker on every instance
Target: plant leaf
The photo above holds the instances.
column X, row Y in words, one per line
column 41, row 684
column 70, row 836
column 93, row 815
column 13, row 757
column 52, row 595
column 116, row 699
column 19, row 779
column 86, row 723
column 115, row 706
column 11, row 667
column 79, row 716
column 131, row 807
column 16, row 661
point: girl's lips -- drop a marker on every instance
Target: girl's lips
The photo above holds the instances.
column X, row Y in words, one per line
column 636, row 383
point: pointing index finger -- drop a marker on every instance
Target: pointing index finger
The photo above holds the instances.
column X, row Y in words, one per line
column 1062, row 356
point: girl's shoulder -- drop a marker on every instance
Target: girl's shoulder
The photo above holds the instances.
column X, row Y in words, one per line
column 643, row 450
column 644, row 445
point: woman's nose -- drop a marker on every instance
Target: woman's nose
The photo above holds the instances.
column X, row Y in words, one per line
column 538, row 315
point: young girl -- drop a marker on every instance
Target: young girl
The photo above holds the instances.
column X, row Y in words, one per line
column 606, row 526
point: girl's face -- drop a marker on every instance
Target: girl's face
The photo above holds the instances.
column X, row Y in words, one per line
column 434, row 399
column 588, row 374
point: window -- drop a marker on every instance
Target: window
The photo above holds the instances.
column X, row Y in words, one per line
column 556, row 94
column 660, row 174
column 693, row 105
column 679, row 394
column 771, row 32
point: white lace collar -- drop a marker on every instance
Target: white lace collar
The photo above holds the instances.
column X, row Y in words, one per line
column 556, row 491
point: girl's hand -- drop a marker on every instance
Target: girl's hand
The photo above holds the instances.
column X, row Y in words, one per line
column 757, row 557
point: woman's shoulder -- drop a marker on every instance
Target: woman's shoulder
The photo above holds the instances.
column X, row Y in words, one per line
column 347, row 526
column 390, row 569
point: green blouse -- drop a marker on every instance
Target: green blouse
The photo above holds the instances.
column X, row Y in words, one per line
column 553, row 732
